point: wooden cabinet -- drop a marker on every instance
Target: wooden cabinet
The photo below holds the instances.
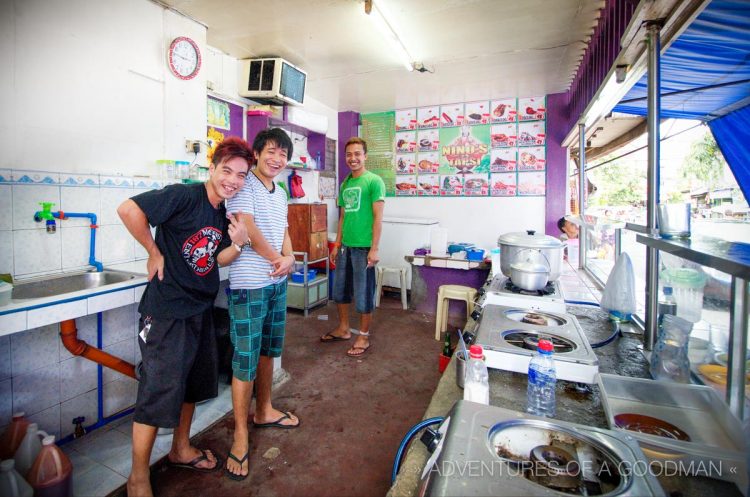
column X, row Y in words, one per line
column 308, row 229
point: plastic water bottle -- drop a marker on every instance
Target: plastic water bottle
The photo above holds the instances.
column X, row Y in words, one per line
column 12, row 483
column 477, row 382
column 540, row 393
column 666, row 306
column 495, row 257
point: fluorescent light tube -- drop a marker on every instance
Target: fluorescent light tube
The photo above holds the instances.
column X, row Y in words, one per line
column 387, row 30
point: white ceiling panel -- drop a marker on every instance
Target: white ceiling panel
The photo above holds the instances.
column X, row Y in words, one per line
column 473, row 49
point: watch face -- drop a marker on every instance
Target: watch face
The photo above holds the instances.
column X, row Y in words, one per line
column 184, row 58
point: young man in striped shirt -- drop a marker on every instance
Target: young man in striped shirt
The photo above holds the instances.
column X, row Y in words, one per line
column 257, row 302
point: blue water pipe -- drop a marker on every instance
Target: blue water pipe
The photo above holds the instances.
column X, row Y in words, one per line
column 615, row 332
column 45, row 215
column 405, row 442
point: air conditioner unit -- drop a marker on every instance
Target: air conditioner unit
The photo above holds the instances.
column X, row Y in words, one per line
column 272, row 81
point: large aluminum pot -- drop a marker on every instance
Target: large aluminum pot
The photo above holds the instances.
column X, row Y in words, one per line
column 529, row 275
column 512, row 244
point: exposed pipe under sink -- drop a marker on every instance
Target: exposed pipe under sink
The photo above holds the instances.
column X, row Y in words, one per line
column 78, row 347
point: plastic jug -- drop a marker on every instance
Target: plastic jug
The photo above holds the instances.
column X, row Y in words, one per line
column 669, row 361
column 13, row 435
column 29, row 448
column 51, row 473
column 12, row 484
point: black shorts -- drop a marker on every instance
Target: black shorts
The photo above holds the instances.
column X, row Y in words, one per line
column 180, row 364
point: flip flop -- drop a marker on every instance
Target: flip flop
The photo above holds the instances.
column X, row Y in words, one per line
column 363, row 349
column 278, row 424
column 333, row 338
column 193, row 465
column 233, row 476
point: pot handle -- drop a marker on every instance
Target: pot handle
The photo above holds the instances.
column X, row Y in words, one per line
column 530, row 232
column 549, row 266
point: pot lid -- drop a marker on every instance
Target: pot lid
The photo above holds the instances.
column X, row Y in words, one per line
column 529, row 267
column 529, row 239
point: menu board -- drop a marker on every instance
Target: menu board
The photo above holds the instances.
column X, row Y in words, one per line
column 379, row 131
column 484, row 148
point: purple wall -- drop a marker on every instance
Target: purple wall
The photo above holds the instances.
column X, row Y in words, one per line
column 235, row 119
column 348, row 127
column 557, row 122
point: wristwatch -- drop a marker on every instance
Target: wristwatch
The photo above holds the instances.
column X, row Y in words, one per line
column 238, row 247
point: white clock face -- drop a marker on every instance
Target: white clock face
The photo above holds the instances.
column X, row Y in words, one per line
column 184, row 58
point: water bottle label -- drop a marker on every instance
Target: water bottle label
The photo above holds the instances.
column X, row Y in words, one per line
column 533, row 375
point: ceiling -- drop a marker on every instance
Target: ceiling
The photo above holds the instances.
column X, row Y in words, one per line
column 472, row 49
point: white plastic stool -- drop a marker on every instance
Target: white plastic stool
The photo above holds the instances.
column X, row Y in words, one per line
column 381, row 270
column 452, row 292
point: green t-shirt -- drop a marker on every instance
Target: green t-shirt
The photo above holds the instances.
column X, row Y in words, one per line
column 356, row 198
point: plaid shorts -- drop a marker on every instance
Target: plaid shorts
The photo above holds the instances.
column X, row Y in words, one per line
column 257, row 326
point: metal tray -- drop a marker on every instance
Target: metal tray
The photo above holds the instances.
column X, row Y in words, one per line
column 715, row 433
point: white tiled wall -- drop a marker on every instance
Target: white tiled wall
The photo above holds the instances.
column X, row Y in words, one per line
column 28, row 250
column 40, row 377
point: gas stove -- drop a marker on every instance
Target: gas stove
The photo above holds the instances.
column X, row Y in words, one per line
column 500, row 290
column 509, row 337
column 492, row 451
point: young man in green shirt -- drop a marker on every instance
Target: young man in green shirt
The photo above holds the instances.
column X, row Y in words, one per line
column 361, row 201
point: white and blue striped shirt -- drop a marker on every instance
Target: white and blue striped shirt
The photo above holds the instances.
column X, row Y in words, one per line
column 269, row 210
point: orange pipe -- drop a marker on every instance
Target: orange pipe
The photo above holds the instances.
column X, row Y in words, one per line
column 76, row 346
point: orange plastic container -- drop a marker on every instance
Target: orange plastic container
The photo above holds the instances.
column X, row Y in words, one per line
column 51, row 475
column 13, row 435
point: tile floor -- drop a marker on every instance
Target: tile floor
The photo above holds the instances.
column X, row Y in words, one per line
column 101, row 460
column 577, row 286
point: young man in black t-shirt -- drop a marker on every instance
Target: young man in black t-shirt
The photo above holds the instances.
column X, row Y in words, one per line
column 177, row 341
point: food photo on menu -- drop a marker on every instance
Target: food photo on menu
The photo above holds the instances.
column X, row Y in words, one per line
column 406, row 119
column 428, row 140
column 531, row 134
column 503, row 184
column 503, row 160
column 428, row 162
column 451, row 115
column 532, row 183
column 531, row 159
column 477, row 113
column 503, row 111
column 503, row 135
column 406, row 185
column 428, row 184
column 406, row 141
column 531, row 109
column 451, row 185
column 405, row 164
column 476, row 184
column 428, row 117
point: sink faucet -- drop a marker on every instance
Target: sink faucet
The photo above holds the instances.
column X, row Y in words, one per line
column 46, row 214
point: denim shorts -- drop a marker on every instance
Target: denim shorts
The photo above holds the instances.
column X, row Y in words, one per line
column 353, row 277
column 257, row 326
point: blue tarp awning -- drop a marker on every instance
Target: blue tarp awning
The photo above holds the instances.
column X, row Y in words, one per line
column 705, row 75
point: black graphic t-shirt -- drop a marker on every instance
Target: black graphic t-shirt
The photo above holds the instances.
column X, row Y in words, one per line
column 190, row 233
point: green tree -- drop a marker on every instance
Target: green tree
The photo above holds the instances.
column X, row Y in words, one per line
column 619, row 183
column 705, row 163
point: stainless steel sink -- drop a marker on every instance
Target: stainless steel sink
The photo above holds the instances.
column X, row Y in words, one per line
column 59, row 285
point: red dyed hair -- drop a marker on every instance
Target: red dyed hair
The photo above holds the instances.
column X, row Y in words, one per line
column 232, row 147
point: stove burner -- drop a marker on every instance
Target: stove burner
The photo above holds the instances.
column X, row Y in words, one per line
column 554, row 467
column 537, row 318
column 548, row 290
column 530, row 340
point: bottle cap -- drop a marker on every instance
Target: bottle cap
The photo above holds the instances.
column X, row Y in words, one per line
column 48, row 440
column 667, row 290
column 545, row 346
column 476, row 352
column 18, row 414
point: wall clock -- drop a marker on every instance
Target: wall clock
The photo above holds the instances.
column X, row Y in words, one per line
column 184, row 58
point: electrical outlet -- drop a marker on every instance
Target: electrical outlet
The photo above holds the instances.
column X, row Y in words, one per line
column 192, row 146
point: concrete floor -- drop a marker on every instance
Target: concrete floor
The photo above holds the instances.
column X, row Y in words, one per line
column 354, row 412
